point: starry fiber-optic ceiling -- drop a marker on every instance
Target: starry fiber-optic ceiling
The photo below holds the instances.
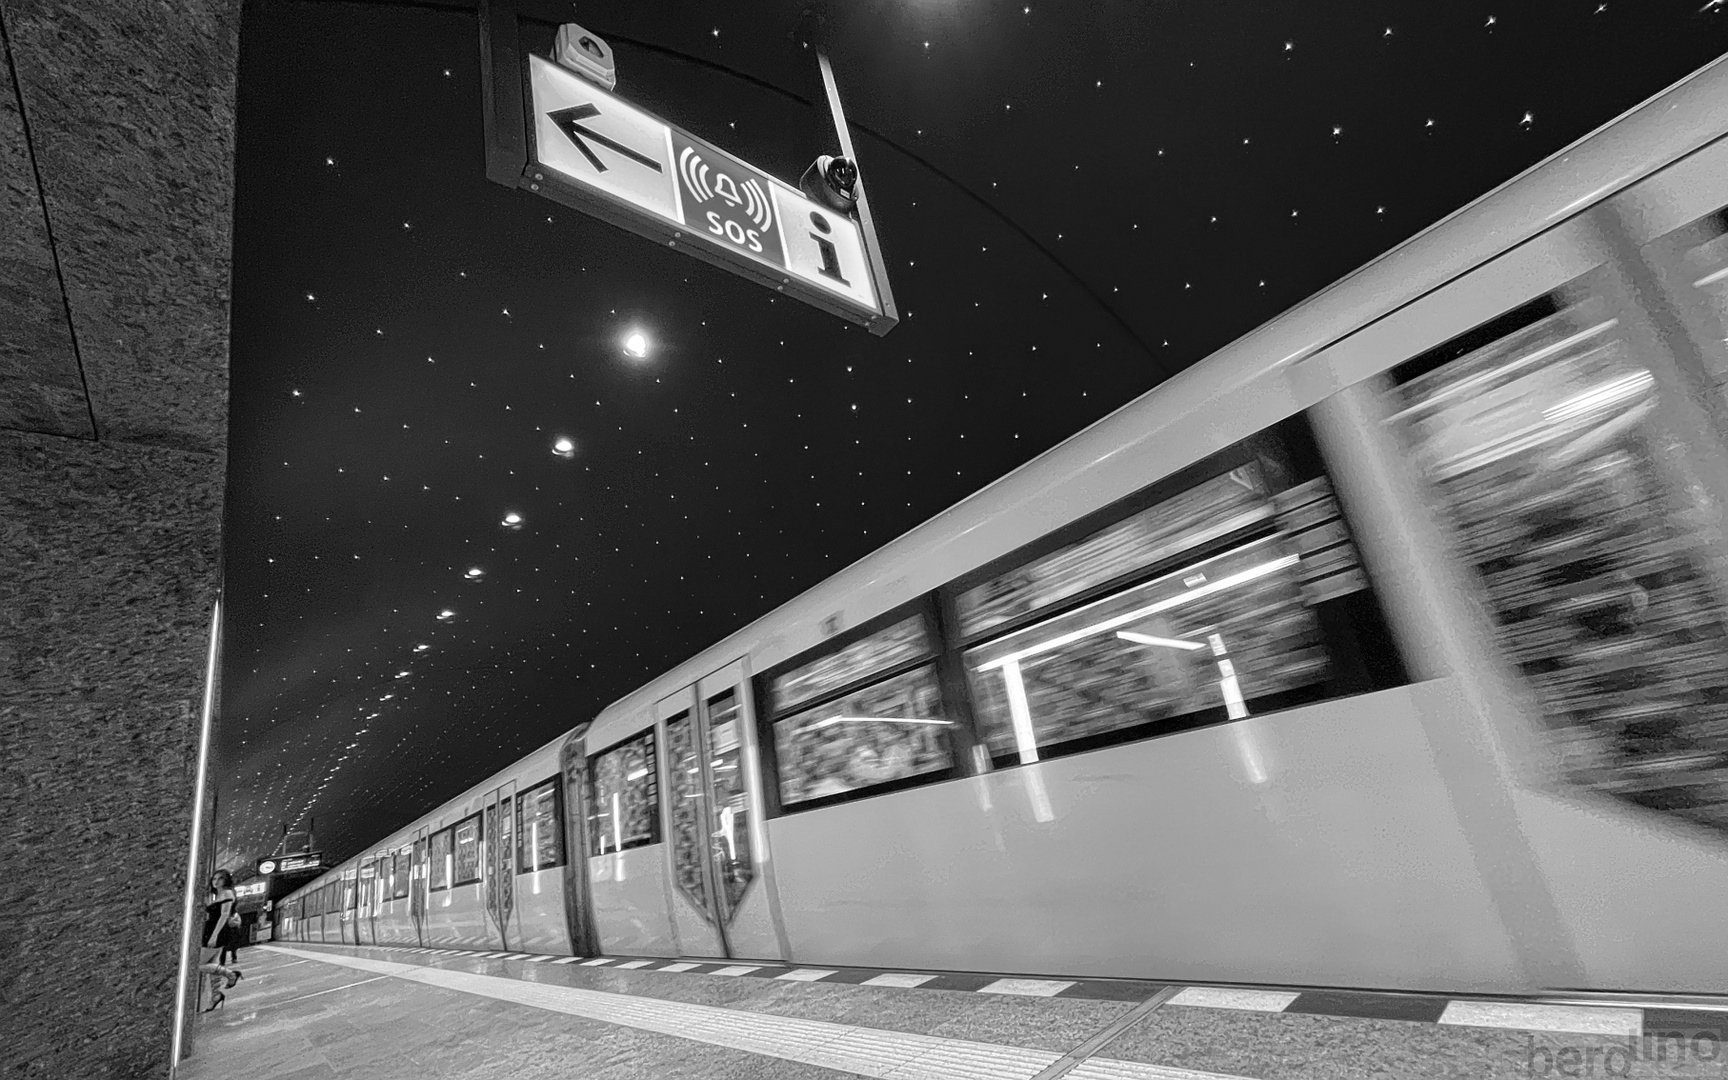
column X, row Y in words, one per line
column 1076, row 200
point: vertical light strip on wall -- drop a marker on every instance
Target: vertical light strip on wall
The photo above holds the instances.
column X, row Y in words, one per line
column 187, row 911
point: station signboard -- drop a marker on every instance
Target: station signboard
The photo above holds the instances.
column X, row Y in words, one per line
column 288, row 864
column 591, row 149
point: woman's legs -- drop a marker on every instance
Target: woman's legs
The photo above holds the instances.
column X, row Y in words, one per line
column 220, row 977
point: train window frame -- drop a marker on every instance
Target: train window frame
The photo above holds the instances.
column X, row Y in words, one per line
column 402, row 873
column 1363, row 655
column 479, row 822
column 1235, row 456
column 767, row 716
column 656, row 831
column 560, row 849
column 432, row 860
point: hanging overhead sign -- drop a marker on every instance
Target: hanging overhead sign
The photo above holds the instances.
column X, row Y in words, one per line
column 590, row 149
column 287, row 864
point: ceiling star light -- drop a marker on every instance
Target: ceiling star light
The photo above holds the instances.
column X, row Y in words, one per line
column 636, row 344
column 564, row 447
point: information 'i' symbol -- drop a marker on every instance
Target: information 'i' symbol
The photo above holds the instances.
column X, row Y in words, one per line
column 830, row 256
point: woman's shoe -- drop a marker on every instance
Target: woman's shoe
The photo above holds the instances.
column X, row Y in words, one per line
column 217, row 1004
column 234, row 976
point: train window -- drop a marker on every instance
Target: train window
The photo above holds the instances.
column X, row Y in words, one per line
column 733, row 863
column 539, row 827
column 1228, row 590
column 863, row 716
column 624, row 797
column 685, row 801
column 887, row 732
column 442, row 859
column 1580, row 478
column 907, row 639
column 470, row 847
column 1219, row 506
column 400, row 876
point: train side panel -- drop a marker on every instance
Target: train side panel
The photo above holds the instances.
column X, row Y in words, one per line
column 1307, row 847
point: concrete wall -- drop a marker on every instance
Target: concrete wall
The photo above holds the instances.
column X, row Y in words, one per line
column 116, row 180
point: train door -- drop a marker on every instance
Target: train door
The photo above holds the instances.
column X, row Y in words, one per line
column 417, row 885
column 715, row 812
column 351, row 887
column 364, row 927
column 501, row 863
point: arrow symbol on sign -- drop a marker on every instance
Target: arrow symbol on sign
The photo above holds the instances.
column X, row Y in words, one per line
column 566, row 121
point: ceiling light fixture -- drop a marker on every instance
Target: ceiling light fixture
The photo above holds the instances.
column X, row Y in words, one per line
column 636, row 344
column 564, row 447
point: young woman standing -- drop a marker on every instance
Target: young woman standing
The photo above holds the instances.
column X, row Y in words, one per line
column 218, row 906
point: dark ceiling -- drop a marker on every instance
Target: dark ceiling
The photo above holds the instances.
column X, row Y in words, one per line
column 1076, row 199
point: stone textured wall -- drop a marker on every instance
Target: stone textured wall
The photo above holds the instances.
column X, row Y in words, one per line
column 116, row 179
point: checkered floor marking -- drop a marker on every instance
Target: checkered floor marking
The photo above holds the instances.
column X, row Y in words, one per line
column 1568, row 1018
column 1214, row 997
column 895, row 978
column 1572, row 1017
column 1026, row 987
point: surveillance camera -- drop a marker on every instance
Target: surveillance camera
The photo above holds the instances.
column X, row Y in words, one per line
column 833, row 182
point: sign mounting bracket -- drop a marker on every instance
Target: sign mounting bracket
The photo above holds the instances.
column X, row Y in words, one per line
column 867, row 224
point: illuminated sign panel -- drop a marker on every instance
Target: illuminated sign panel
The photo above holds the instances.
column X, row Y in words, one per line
column 287, row 864
column 255, row 888
column 697, row 193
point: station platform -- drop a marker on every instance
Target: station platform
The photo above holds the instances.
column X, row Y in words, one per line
column 316, row 1012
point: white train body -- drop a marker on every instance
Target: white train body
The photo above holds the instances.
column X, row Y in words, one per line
column 1459, row 816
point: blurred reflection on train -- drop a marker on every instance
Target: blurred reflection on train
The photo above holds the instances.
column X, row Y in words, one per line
column 1385, row 648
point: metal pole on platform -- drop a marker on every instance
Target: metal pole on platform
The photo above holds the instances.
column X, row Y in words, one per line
column 866, row 224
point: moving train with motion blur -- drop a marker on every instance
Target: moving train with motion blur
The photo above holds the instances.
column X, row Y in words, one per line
column 1385, row 648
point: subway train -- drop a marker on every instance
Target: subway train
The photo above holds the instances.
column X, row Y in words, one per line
column 1385, row 648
